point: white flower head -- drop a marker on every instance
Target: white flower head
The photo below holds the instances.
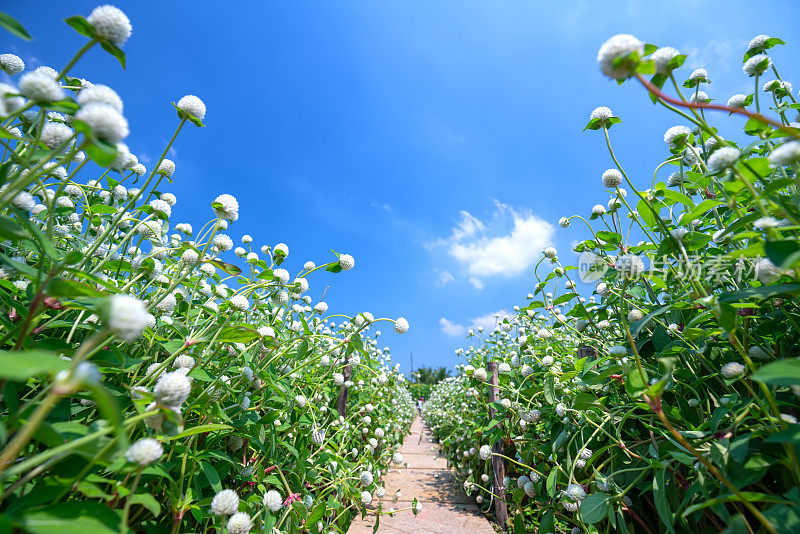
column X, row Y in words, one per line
column 102, row 94
column 485, row 452
column 346, row 262
column 110, row 23
column 105, row 121
column 619, row 46
column 239, row 523
column 366, row 498
column 144, row 452
column 401, row 325
column 675, row 137
column 226, row 207
column 612, row 178
column 723, row 158
column 40, row 87
column 662, row 57
column 126, row 316
column 166, row 167
column 575, row 492
column 785, row 154
column 273, row 500
column 193, row 106
column 732, row 370
column 240, row 302
column 757, row 65
column 11, row 64
column 172, row 389
column 226, row 502
column 603, row 113
column 737, row 101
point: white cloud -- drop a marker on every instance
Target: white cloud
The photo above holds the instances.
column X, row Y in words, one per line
column 507, row 246
column 488, row 322
column 445, row 277
column 452, row 329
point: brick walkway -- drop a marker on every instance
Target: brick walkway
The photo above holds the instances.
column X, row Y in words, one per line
column 445, row 507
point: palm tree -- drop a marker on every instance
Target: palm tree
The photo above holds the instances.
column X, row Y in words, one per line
column 428, row 375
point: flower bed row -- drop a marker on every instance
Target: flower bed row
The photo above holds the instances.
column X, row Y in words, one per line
column 149, row 383
column 668, row 402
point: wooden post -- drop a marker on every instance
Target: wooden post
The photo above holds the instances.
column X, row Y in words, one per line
column 341, row 402
column 498, row 463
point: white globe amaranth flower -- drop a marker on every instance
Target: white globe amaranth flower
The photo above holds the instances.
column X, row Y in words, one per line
column 40, row 87
column 166, row 167
column 620, row 46
column 366, row 478
column 111, row 24
column 192, row 105
column 223, row 242
column 675, row 137
column 598, row 210
column 575, row 492
column 612, row 178
column 101, row 94
column 757, row 65
column 766, row 272
column 662, row 57
column 227, row 208
column 530, row 489
column 635, row 315
column 105, row 121
column 602, row 113
column 723, row 158
column 24, row 201
column 564, row 222
column 190, row 256
column 401, row 325
column 144, row 452
column 629, row 265
column 346, row 262
column 699, row 75
column 55, row 134
column 126, row 316
column 397, row 458
column 785, row 154
column 11, row 64
column 699, row 97
column 550, row 252
column 480, row 374
column 737, row 101
column 226, row 502
column 273, row 500
column 240, row 302
column 485, row 452
column 732, row 370
column 239, row 523
column 758, row 42
column 366, row 498
column 321, row 307
column 184, row 361
column 172, row 389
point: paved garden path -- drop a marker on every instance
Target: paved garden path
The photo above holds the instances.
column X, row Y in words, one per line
column 445, row 507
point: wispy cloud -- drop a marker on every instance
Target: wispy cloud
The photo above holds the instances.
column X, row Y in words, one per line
column 506, row 246
column 487, row 322
column 445, row 277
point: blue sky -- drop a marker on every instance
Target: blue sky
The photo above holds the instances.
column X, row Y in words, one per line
column 437, row 142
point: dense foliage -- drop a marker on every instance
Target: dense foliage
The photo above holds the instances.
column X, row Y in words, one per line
column 670, row 404
column 149, row 383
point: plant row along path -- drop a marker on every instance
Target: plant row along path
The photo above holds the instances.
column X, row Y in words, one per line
column 667, row 401
column 425, row 475
column 154, row 378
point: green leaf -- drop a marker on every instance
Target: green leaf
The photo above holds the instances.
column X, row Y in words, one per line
column 100, row 152
column 212, row 476
column 115, row 51
column 751, row 496
column 20, row 366
column 780, row 373
column 760, row 293
column 786, row 436
column 594, row 508
column 12, row 26
column 60, row 288
column 519, row 524
column 229, row 268
column 81, row 25
column 210, row 427
column 10, row 229
column 551, row 483
column 755, row 126
column 660, row 498
column 237, row 334
column 71, row 518
column 148, row 501
column 784, row 254
column 635, row 383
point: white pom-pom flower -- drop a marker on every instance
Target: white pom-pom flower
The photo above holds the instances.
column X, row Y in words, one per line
column 193, row 106
column 126, row 316
column 110, row 23
column 144, row 452
column 105, row 121
column 172, row 389
column 40, row 87
column 226, row 502
column 619, row 46
column 273, row 500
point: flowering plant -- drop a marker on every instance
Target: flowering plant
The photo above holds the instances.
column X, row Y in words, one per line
column 671, row 403
column 149, row 382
